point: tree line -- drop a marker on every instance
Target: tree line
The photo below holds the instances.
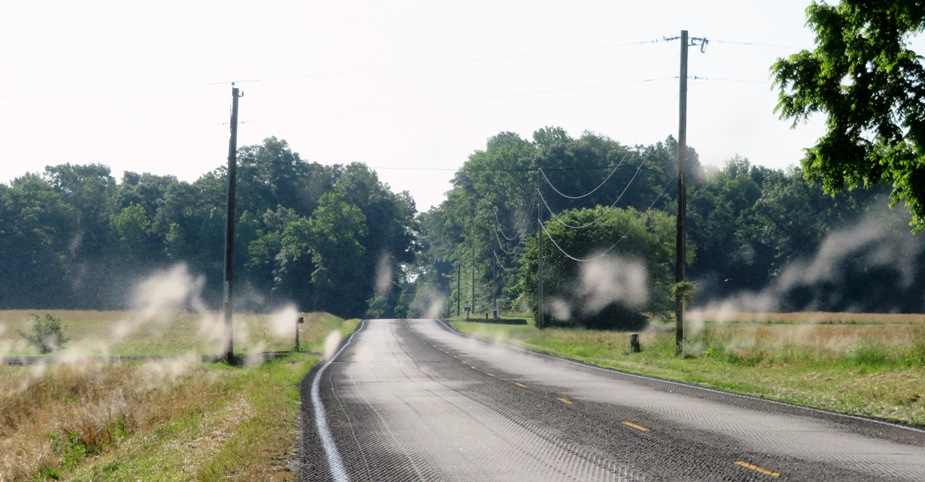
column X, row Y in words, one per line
column 608, row 208
column 335, row 238
column 314, row 235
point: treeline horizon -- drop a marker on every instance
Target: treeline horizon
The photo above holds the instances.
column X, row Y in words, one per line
column 306, row 234
column 336, row 239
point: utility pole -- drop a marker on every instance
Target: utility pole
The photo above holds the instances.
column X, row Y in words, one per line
column 680, row 249
column 472, row 292
column 458, row 293
column 681, row 245
column 540, row 317
column 494, row 282
column 229, row 224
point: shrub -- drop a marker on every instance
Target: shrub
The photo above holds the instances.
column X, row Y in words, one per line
column 47, row 335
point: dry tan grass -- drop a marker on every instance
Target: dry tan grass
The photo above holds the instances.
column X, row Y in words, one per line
column 177, row 419
column 722, row 316
column 132, row 333
column 51, row 413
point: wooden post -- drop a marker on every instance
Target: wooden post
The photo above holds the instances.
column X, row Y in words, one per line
column 540, row 316
column 680, row 245
column 229, row 226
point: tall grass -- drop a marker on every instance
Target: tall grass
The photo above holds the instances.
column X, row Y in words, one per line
column 175, row 419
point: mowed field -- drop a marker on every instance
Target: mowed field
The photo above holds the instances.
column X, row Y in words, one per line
column 141, row 333
column 175, row 418
column 864, row 364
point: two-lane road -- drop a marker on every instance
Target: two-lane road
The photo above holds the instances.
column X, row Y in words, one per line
column 413, row 400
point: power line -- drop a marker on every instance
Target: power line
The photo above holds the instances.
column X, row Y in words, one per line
column 336, row 113
column 625, row 155
column 612, row 246
column 756, row 44
column 498, row 262
column 498, row 227
column 452, row 62
column 112, row 129
column 509, row 253
column 626, row 188
column 333, row 73
column 742, row 81
column 456, row 101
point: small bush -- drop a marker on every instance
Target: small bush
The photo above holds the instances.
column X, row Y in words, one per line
column 47, row 335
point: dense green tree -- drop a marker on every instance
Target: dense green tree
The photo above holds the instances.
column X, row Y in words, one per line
column 332, row 237
column 606, row 274
column 869, row 84
column 38, row 228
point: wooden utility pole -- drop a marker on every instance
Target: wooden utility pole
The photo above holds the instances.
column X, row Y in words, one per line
column 540, row 301
column 680, row 245
column 472, row 292
column 458, row 293
column 229, row 224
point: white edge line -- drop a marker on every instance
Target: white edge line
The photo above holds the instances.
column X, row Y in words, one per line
column 680, row 384
column 336, row 464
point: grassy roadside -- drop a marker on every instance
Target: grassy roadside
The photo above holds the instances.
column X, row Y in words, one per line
column 867, row 368
column 165, row 420
column 134, row 333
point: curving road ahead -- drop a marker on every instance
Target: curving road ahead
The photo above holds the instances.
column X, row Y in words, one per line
column 414, row 400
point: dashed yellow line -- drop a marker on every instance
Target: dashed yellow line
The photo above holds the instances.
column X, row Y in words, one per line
column 757, row 469
column 490, row 374
column 521, row 385
column 637, row 427
column 473, row 367
column 565, row 400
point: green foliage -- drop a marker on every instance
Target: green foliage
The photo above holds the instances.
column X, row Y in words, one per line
column 622, row 272
column 868, row 83
column 684, row 290
column 74, row 238
column 47, row 334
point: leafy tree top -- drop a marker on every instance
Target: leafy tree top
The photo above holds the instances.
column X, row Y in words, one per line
column 871, row 86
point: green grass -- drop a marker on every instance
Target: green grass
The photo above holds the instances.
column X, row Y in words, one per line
column 162, row 420
column 865, row 369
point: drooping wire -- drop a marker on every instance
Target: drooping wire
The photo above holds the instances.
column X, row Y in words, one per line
column 614, row 203
column 612, row 172
column 498, row 262
column 498, row 228
column 509, row 253
column 612, row 246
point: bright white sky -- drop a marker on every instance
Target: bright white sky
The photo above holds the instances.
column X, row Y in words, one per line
column 411, row 88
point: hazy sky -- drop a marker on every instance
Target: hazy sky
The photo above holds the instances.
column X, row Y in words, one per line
column 411, row 88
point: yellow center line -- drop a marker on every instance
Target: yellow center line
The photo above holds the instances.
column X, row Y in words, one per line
column 521, row 385
column 564, row 400
column 637, row 427
column 757, row 469
column 473, row 367
column 490, row 374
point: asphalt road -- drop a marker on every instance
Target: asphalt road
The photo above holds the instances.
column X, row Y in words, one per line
column 413, row 400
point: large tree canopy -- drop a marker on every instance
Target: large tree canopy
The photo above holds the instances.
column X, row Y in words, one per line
column 871, row 86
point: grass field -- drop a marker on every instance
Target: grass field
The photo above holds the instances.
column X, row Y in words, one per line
column 135, row 333
column 870, row 365
column 176, row 419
